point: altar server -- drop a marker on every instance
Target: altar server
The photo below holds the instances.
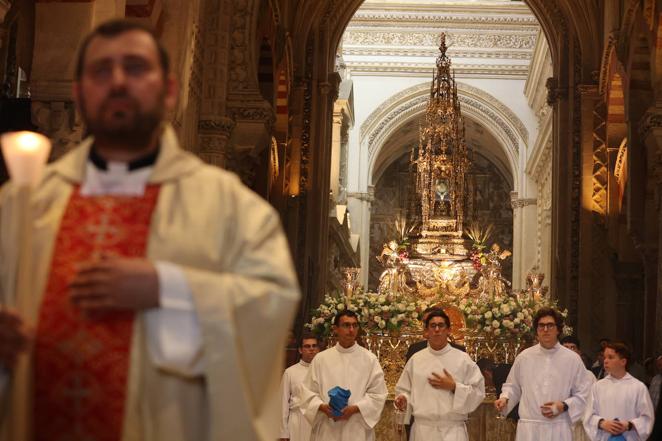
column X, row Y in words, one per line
column 294, row 427
column 350, row 367
column 441, row 384
column 620, row 404
column 549, row 383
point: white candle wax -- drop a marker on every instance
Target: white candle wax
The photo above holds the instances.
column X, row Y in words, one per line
column 25, row 154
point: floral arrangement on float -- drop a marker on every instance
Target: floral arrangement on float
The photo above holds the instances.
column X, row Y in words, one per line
column 377, row 313
column 491, row 310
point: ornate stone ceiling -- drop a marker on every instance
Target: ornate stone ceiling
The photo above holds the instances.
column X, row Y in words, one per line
column 488, row 38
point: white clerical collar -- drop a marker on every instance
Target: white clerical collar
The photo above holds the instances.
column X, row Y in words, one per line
column 346, row 350
column 551, row 350
column 627, row 376
column 303, row 363
column 441, row 351
column 117, row 180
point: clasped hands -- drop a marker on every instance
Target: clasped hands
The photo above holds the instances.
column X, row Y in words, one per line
column 614, row 427
column 347, row 412
column 114, row 284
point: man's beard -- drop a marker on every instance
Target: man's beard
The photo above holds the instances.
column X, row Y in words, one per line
column 134, row 132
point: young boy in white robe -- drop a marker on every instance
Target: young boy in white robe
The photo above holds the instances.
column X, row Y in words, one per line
column 294, row 427
column 351, row 367
column 619, row 403
column 441, row 384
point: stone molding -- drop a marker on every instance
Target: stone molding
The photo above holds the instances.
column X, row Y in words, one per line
column 433, row 52
column 650, row 121
column 362, row 196
column 521, row 203
column 512, row 14
column 403, row 105
column 222, row 125
column 606, row 61
column 430, row 38
column 515, row 71
column 554, row 91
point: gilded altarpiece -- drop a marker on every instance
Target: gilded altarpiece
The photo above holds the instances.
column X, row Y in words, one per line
column 488, row 201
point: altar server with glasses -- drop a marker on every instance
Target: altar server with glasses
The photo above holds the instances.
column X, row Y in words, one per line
column 549, row 383
column 294, row 427
column 441, row 384
column 349, row 374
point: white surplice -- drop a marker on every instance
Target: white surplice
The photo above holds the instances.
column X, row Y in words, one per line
column 578, row 432
column 440, row 414
column 541, row 375
column 293, row 425
column 626, row 399
column 354, row 368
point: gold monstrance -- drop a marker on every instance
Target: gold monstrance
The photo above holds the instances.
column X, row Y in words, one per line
column 440, row 164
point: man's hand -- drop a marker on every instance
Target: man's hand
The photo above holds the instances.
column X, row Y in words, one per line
column 551, row 409
column 445, row 382
column 115, row 284
column 500, row 404
column 15, row 337
column 326, row 410
column 614, row 427
column 347, row 412
column 400, row 403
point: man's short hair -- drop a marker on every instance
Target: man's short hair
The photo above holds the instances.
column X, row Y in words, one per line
column 548, row 312
column 116, row 27
column 344, row 313
column 307, row 336
column 621, row 349
column 438, row 312
column 570, row 339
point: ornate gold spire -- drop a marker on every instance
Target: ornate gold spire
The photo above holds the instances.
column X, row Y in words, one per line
column 441, row 160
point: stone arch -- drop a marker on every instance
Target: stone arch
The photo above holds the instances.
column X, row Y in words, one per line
column 478, row 105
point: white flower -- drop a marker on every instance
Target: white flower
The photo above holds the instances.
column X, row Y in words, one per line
column 381, row 299
column 402, row 307
column 385, row 308
column 394, row 320
column 411, row 308
column 340, row 306
column 488, row 315
column 517, row 321
column 414, row 315
column 495, row 324
column 520, row 316
column 497, row 332
column 505, row 309
column 382, row 324
column 377, row 319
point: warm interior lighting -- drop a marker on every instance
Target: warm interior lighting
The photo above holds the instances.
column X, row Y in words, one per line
column 25, row 154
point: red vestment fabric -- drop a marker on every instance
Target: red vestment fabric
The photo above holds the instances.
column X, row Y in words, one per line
column 82, row 363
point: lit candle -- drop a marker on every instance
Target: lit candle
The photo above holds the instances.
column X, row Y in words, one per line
column 25, row 154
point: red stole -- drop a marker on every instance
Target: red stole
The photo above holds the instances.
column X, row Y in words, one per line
column 81, row 364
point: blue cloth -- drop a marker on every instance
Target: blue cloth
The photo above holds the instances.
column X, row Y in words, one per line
column 338, row 399
column 617, row 438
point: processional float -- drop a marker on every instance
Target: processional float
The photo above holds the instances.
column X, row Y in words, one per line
column 436, row 260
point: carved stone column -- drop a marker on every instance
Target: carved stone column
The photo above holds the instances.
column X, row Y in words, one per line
column 361, row 203
column 336, row 146
column 650, row 132
column 593, row 288
column 524, row 228
column 213, row 140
